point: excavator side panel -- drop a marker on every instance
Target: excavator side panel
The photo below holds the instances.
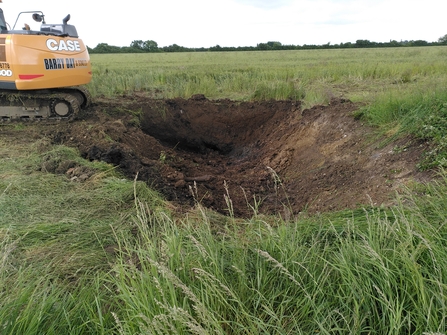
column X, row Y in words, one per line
column 35, row 61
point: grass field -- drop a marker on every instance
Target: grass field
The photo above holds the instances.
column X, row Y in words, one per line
column 314, row 76
column 111, row 257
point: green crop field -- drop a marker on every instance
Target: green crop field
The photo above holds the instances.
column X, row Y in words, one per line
column 110, row 256
column 314, row 76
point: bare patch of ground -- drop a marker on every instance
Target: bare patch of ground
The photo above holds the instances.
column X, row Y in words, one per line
column 271, row 156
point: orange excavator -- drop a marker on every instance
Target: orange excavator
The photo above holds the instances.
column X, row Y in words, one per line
column 42, row 72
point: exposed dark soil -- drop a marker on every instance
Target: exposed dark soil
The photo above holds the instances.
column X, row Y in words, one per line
column 272, row 156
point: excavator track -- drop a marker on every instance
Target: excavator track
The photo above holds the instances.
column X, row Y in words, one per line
column 43, row 105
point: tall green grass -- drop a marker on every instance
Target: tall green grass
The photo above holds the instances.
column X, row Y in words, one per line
column 314, row 76
column 55, row 233
column 421, row 114
column 374, row 270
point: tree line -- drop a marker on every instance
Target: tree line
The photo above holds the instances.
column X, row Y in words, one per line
column 139, row 46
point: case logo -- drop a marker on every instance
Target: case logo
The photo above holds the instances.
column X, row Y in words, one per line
column 63, row 45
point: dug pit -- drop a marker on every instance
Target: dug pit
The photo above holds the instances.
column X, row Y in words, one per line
column 268, row 157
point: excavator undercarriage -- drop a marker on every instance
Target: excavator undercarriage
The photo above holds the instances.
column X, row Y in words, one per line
column 38, row 105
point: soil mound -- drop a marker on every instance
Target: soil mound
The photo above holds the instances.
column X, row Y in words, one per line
column 271, row 156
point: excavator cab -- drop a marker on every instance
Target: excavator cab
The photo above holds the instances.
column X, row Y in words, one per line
column 60, row 29
column 36, row 16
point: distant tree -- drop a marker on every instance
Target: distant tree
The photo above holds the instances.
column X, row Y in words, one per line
column 150, row 46
column 443, row 39
column 137, row 44
column 271, row 45
column 104, row 48
column 363, row 44
column 418, row 43
column 217, row 47
column 274, row 45
column 175, row 48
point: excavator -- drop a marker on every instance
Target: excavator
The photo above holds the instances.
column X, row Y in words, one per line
column 43, row 72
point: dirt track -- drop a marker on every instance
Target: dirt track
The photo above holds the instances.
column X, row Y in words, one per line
column 289, row 160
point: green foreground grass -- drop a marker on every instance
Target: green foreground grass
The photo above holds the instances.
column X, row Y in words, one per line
column 109, row 257
column 371, row 271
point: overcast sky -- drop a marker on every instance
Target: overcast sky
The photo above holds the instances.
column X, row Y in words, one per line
column 206, row 23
